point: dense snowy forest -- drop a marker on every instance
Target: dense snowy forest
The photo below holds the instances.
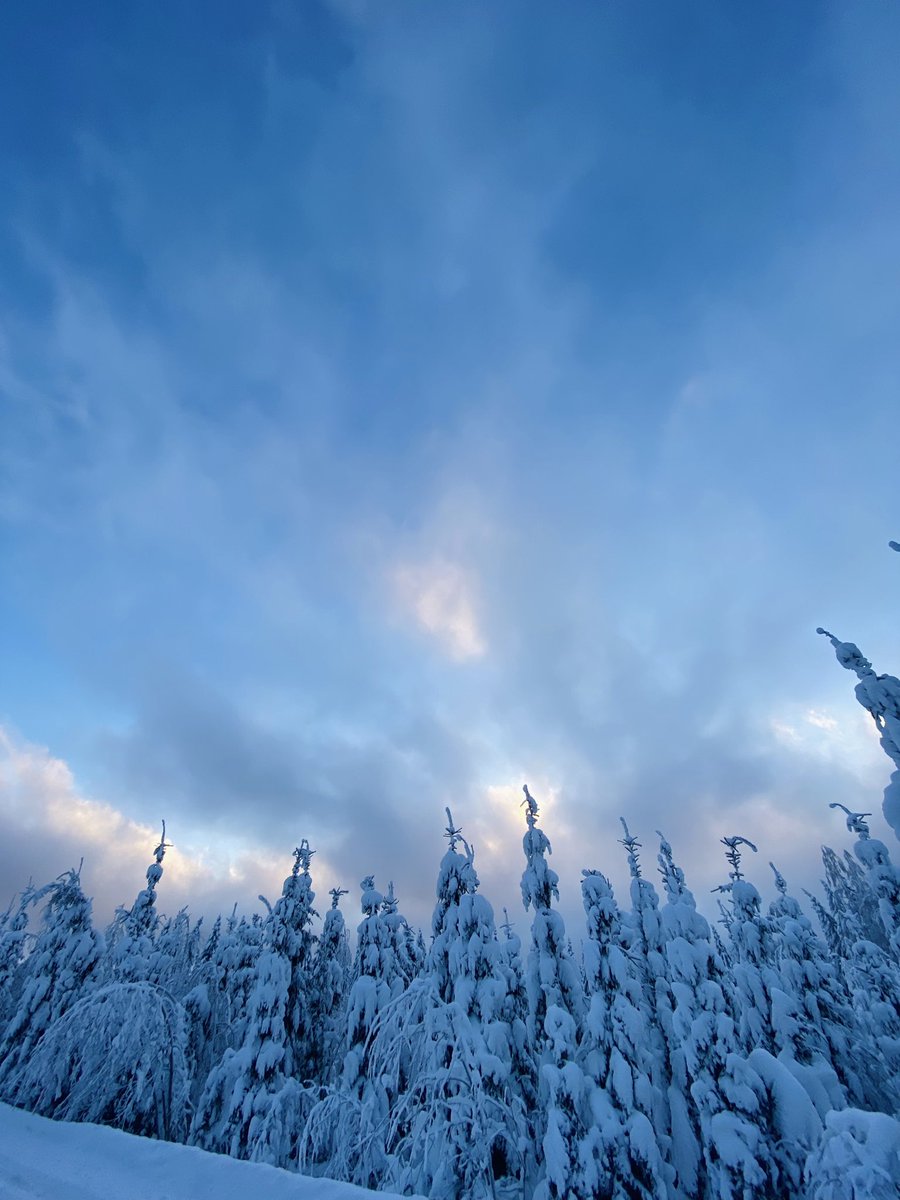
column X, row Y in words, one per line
column 648, row 1056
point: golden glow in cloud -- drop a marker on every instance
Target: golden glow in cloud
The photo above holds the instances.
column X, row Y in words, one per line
column 442, row 597
column 493, row 822
column 39, row 795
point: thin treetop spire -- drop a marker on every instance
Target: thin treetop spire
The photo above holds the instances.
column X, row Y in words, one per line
column 632, row 845
column 531, row 815
column 672, row 875
column 160, row 852
column 733, row 854
column 453, row 832
column 780, row 881
column 302, row 858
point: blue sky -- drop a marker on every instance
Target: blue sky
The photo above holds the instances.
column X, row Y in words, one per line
column 399, row 402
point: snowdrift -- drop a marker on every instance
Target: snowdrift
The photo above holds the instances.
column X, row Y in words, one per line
column 46, row 1160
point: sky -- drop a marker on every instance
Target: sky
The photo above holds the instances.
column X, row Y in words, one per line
column 403, row 402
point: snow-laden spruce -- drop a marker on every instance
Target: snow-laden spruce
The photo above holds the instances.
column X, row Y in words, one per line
column 827, row 1048
column 884, row 877
column 118, row 1056
column 880, row 697
column 328, row 994
column 646, row 937
column 132, row 936
column 252, row 1105
column 13, row 942
column 578, row 1135
column 62, row 966
column 462, row 1050
column 619, row 1139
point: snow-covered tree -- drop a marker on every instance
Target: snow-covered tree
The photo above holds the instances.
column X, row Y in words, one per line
column 290, row 935
column 695, row 972
column 647, row 941
column 242, row 1091
column 827, row 1044
column 116, row 1057
column 730, row 1097
column 851, row 905
column 176, row 952
column 252, row 1106
column 767, row 1123
column 725, row 1108
column 132, row 936
column 867, row 964
column 456, row 878
column 792, row 1125
column 875, row 983
column 619, row 1141
column 409, row 947
column 461, row 1049
column 515, row 1012
column 346, row 1133
column 233, row 962
column 574, row 1162
column 767, row 1015
column 330, row 980
column 63, row 963
column 13, row 940
column 884, row 877
column 552, row 978
column 880, row 696
column 378, row 980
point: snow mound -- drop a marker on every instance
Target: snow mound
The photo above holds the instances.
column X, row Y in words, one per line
column 44, row 1160
column 857, row 1159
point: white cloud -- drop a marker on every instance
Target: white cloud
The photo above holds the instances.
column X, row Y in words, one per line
column 784, row 733
column 851, row 741
column 820, row 720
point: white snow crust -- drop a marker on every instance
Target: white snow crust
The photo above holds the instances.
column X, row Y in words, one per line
column 57, row 1160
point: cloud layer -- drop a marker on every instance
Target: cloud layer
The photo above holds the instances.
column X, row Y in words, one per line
column 391, row 417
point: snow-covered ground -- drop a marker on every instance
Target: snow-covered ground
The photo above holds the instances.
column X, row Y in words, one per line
column 53, row 1160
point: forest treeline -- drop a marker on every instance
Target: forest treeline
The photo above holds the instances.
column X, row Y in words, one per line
column 650, row 1055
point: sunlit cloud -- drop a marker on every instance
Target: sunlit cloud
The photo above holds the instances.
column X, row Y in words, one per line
column 498, row 821
column 40, row 795
column 442, row 598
